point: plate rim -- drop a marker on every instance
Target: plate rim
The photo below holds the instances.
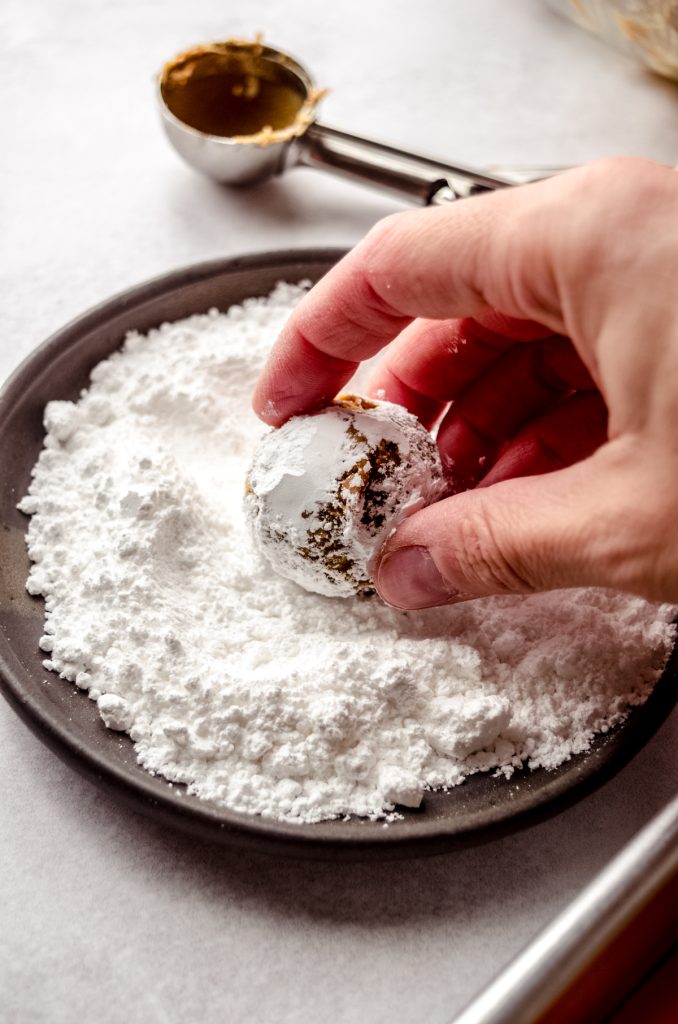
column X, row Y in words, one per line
column 251, row 831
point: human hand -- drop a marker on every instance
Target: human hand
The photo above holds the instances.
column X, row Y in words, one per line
column 562, row 373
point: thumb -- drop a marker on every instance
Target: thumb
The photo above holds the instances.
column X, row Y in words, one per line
column 601, row 522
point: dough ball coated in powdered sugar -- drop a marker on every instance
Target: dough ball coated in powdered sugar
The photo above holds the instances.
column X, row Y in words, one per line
column 325, row 490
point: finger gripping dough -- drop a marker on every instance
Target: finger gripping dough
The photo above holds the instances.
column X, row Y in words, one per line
column 325, row 490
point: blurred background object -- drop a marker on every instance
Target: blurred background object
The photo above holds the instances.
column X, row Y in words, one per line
column 645, row 29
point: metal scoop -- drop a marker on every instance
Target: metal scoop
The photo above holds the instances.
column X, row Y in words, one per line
column 241, row 112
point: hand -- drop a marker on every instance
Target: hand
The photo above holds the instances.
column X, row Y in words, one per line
column 562, row 373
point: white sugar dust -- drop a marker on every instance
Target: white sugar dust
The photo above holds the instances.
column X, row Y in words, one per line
column 258, row 695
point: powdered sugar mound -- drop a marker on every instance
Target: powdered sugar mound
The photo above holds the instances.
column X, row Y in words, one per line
column 256, row 694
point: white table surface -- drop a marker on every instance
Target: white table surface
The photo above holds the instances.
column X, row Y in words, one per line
column 103, row 915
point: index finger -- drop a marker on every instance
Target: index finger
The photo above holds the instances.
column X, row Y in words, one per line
column 443, row 262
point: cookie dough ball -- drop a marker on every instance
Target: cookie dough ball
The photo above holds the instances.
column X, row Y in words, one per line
column 325, row 490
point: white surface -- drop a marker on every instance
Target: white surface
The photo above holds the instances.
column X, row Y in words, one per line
column 103, row 916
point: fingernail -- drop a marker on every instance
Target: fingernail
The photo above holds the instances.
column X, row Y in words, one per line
column 409, row 578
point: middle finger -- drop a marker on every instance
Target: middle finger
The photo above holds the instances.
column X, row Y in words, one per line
column 521, row 384
column 433, row 361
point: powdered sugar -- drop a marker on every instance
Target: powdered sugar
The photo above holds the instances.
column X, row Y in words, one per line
column 256, row 694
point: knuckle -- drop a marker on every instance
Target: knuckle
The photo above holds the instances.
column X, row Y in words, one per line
column 366, row 305
column 382, row 239
column 388, row 229
column 625, row 187
column 386, row 248
column 483, row 559
column 651, row 564
column 378, row 269
column 627, row 171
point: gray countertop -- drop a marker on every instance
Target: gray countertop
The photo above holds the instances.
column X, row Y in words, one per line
column 103, row 915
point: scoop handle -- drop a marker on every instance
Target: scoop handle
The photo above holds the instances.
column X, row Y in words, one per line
column 420, row 179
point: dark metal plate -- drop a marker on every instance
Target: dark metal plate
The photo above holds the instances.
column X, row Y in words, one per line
column 481, row 809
